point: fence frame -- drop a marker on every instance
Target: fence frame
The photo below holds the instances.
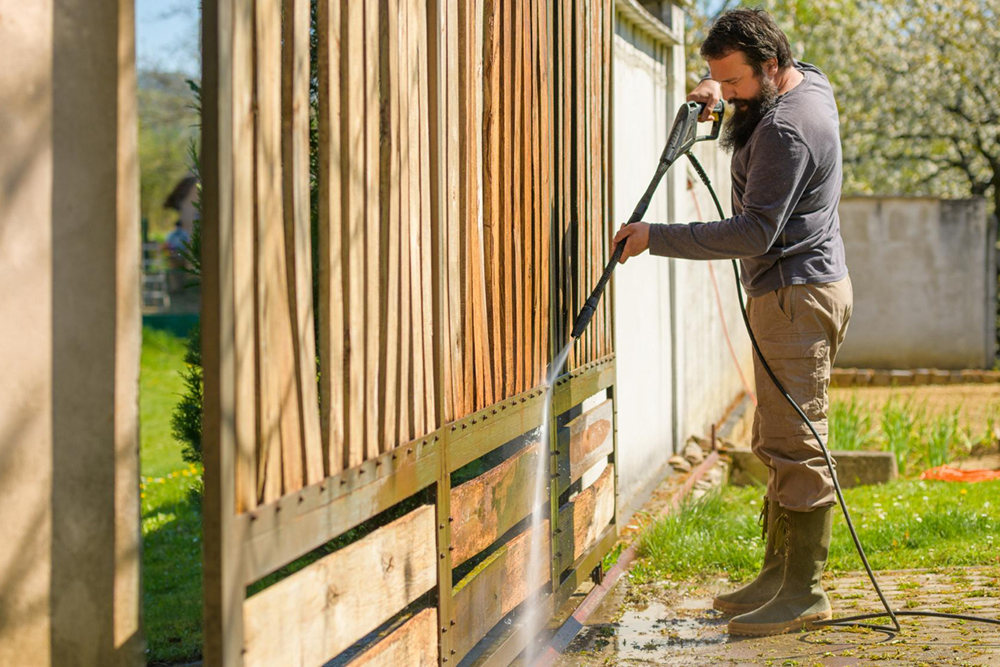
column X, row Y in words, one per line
column 240, row 548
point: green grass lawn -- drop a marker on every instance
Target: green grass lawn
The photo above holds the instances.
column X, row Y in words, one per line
column 171, row 516
column 904, row 524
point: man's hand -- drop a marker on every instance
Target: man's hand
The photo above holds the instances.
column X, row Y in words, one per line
column 636, row 237
column 708, row 92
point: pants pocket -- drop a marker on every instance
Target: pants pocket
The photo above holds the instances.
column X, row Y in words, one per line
column 802, row 365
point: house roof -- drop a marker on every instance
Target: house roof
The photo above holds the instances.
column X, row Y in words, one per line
column 180, row 192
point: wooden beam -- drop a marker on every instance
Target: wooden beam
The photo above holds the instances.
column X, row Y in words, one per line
column 353, row 591
column 498, row 585
column 584, row 441
column 228, row 32
column 413, row 644
column 486, row 507
column 279, row 532
column 583, row 519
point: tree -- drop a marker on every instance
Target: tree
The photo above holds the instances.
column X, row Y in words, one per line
column 915, row 84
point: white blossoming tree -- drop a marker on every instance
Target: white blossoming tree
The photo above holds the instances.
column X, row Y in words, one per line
column 917, row 82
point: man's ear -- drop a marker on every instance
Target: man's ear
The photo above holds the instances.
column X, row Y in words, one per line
column 771, row 67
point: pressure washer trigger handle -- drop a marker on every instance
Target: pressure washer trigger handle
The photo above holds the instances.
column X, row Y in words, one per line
column 719, row 111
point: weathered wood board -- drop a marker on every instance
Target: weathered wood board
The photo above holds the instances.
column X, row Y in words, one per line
column 413, row 644
column 314, row 614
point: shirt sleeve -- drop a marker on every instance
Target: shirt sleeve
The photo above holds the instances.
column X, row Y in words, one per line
column 780, row 169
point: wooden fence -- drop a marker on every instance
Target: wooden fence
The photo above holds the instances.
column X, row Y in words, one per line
column 416, row 194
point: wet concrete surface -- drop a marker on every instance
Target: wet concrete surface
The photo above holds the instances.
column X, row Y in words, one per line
column 673, row 623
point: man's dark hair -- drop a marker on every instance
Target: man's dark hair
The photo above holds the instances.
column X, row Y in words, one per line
column 751, row 31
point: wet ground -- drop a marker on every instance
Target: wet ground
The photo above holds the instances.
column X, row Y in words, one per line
column 674, row 624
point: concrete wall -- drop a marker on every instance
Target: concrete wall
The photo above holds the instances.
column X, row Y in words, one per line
column 675, row 374
column 69, row 335
column 924, row 272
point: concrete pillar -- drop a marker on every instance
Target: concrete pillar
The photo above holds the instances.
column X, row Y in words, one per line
column 69, row 335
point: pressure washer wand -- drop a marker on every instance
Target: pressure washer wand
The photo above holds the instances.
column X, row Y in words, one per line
column 683, row 135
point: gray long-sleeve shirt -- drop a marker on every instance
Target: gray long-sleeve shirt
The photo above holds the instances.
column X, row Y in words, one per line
column 786, row 188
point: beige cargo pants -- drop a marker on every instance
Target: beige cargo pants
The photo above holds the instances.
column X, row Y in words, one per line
column 799, row 329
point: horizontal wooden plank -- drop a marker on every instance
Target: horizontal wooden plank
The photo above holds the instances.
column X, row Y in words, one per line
column 314, row 614
column 483, row 431
column 583, row 519
column 414, row 644
column 280, row 532
column 580, row 384
column 584, row 566
column 584, row 442
column 497, row 586
column 488, row 506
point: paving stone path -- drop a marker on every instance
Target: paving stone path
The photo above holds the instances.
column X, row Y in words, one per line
column 671, row 623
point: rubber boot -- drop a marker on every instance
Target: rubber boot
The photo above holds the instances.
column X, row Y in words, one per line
column 768, row 580
column 800, row 601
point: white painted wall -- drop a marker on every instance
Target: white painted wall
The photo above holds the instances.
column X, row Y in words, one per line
column 924, row 288
column 675, row 373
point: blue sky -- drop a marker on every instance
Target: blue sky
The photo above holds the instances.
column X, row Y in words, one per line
column 167, row 35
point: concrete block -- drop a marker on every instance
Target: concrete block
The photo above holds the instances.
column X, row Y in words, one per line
column 853, row 468
column 922, row 376
column 864, row 377
column 991, row 377
column 843, row 377
column 901, row 378
column 955, row 377
column 971, row 376
column 881, row 379
column 940, row 377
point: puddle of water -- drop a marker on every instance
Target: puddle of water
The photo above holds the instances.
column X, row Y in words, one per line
column 640, row 634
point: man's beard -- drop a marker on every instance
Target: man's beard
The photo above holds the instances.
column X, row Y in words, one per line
column 740, row 126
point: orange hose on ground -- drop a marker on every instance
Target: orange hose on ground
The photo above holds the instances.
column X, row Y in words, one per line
column 950, row 474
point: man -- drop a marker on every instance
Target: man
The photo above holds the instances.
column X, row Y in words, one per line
column 786, row 171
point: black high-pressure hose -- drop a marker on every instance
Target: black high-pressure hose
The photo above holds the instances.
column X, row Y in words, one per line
column 847, row 620
column 671, row 153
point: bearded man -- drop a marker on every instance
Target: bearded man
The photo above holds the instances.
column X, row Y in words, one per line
column 786, row 173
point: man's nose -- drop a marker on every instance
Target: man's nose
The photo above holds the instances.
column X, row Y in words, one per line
column 728, row 92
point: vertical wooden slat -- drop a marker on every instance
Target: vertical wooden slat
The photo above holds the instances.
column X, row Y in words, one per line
column 608, row 37
column 353, row 195
column 517, row 213
column 280, row 418
column 227, row 35
column 373, row 273
column 331, row 273
column 593, row 214
column 455, row 236
column 389, row 222
column 545, row 110
column 491, row 186
column 466, row 220
column 417, row 251
column 507, row 221
column 401, row 86
column 426, row 223
column 298, row 241
column 538, row 356
column 569, row 267
column 528, row 350
column 245, row 348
